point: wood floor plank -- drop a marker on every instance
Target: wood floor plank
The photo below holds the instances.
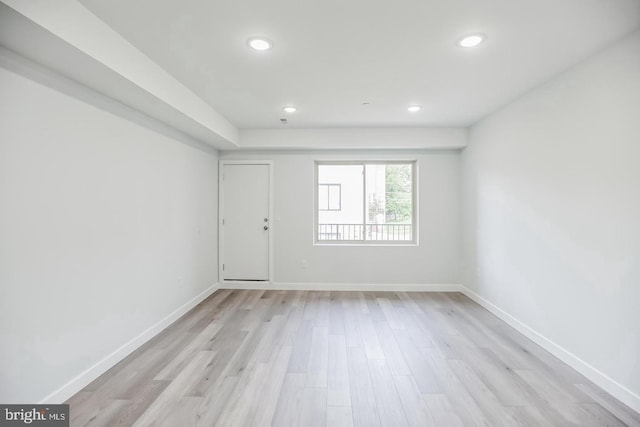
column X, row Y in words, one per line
column 416, row 412
column 299, row 361
column 452, row 346
column 419, row 328
column 392, row 352
column 239, row 360
column 432, row 309
column 363, row 400
column 294, row 358
column 533, row 416
column 287, row 413
column 535, row 357
column 375, row 311
column 139, row 368
column 324, row 305
column 441, row 410
column 486, row 400
column 390, row 408
column 392, row 315
column 336, row 316
column 500, row 378
column 372, row 346
column 619, row 410
column 108, row 415
column 363, row 305
column 255, row 397
column 184, row 413
column 267, row 394
column 318, row 358
column 243, row 403
column 270, row 339
column 350, row 314
column 226, row 344
column 177, row 364
column 215, row 400
column 464, row 405
column 557, row 398
column 313, row 407
column 214, row 310
column 419, row 367
column 146, row 395
column 409, row 303
column 311, row 306
column 290, row 328
column 339, row 416
column 165, row 402
column 338, row 393
column 601, row 416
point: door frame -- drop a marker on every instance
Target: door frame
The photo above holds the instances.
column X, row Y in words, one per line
column 221, row 165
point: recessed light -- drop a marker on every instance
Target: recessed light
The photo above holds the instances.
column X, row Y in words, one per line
column 259, row 43
column 414, row 108
column 471, row 40
column 289, row 109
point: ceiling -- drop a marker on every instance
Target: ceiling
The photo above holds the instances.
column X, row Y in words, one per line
column 329, row 57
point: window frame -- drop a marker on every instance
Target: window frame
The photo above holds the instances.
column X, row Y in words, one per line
column 329, row 197
column 414, row 201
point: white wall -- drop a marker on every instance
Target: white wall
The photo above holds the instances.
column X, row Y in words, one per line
column 353, row 138
column 551, row 214
column 76, row 43
column 297, row 260
column 106, row 227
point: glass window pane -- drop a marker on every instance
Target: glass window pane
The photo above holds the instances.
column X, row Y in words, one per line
column 389, row 201
column 399, row 201
column 348, row 222
column 366, row 202
column 323, row 197
column 334, row 197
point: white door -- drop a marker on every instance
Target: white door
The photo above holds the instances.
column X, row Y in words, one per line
column 245, row 221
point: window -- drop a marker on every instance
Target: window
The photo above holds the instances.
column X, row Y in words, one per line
column 329, row 197
column 365, row 202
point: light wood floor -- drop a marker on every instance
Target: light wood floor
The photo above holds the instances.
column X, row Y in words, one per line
column 298, row 358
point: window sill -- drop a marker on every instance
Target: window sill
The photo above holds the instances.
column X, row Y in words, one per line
column 366, row 244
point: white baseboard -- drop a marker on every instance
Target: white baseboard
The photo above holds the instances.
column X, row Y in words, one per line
column 86, row 377
column 285, row 286
column 603, row 381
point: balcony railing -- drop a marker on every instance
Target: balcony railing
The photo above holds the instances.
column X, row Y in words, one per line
column 362, row 232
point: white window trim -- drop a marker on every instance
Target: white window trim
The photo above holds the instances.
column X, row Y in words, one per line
column 414, row 199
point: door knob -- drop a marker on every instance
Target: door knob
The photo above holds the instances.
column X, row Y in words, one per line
column 266, row 220
column 266, row 227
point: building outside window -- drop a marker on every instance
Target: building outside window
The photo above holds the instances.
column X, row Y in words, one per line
column 329, row 197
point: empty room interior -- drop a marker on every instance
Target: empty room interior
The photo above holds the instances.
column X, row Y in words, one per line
column 299, row 213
